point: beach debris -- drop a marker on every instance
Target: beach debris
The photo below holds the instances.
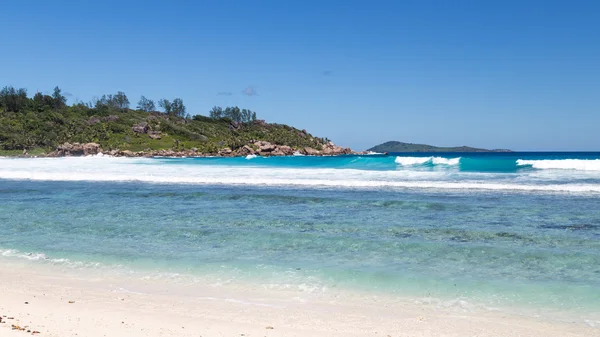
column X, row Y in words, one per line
column 26, row 302
column 71, row 302
column 17, row 327
column 35, row 332
column 269, row 328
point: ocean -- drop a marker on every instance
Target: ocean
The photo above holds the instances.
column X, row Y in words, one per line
column 518, row 232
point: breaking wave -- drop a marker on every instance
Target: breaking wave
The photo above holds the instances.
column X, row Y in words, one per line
column 413, row 161
column 189, row 171
column 562, row 164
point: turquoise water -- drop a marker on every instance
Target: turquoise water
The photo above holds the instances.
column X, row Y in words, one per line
column 494, row 230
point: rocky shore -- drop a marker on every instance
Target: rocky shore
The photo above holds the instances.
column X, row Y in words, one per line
column 258, row 148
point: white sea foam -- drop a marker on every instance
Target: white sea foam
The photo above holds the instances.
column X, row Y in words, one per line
column 154, row 171
column 41, row 257
column 98, row 155
column 409, row 161
column 251, row 156
column 445, row 161
column 562, row 164
column 412, row 161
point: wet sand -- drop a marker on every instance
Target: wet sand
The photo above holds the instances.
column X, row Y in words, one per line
column 63, row 304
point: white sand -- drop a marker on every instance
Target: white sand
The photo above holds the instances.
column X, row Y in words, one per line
column 102, row 307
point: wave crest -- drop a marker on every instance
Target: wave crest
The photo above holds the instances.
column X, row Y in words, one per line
column 414, row 161
column 562, row 164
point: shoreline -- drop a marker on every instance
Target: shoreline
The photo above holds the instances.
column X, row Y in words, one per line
column 63, row 303
column 258, row 148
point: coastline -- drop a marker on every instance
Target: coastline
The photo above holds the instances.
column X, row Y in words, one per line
column 258, row 148
column 72, row 303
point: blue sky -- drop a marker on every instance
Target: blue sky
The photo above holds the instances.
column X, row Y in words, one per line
column 523, row 75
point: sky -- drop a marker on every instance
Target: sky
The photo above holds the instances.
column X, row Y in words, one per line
column 522, row 75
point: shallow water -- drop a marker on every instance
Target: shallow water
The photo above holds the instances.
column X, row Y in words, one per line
column 535, row 249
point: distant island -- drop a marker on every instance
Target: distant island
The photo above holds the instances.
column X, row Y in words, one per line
column 394, row 146
column 45, row 125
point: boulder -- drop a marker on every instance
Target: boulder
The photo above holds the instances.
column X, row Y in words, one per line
column 225, row 152
column 245, row 151
column 286, row 150
column 328, row 151
column 154, row 134
column 90, row 149
column 265, row 146
column 140, row 128
column 93, row 120
column 76, row 149
column 309, row 151
column 111, row 118
column 332, row 149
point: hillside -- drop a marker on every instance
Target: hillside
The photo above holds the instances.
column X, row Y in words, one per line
column 394, row 146
column 40, row 125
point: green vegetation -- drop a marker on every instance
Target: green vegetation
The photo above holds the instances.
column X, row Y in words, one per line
column 394, row 146
column 43, row 122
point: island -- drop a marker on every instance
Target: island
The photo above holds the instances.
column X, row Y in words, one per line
column 395, row 146
column 45, row 125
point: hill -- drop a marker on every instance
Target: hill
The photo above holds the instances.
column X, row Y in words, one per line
column 394, row 146
column 44, row 124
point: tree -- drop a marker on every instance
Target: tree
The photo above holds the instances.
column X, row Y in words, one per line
column 42, row 102
column 246, row 115
column 175, row 108
column 216, row 112
column 146, row 104
column 59, row 101
column 120, row 101
column 165, row 104
column 234, row 113
column 12, row 99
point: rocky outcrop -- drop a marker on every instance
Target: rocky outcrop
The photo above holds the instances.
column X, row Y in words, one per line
column 140, row 127
column 245, row 151
column 309, row 151
column 330, row 149
column 154, row 134
column 111, row 118
column 226, row 152
column 261, row 148
column 93, row 120
column 144, row 128
column 265, row 147
column 76, row 149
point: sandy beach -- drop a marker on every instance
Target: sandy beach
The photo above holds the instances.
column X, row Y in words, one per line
column 62, row 304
